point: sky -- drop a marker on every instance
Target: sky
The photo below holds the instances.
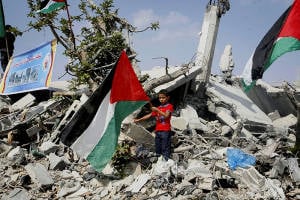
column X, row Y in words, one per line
column 243, row 26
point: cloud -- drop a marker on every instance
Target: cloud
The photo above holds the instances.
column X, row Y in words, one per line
column 173, row 25
column 174, row 18
column 144, row 18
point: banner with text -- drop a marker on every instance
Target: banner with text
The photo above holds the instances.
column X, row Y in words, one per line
column 29, row 71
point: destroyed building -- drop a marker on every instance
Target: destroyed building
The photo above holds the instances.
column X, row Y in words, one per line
column 227, row 144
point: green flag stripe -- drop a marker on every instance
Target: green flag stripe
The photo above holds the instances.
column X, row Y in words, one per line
column 282, row 46
column 52, row 7
column 104, row 150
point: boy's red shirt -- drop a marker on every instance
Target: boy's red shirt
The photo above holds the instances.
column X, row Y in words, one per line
column 163, row 123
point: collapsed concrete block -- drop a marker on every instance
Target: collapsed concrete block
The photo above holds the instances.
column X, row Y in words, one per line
column 287, row 121
column 141, row 136
column 269, row 150
column 278, row 167
column 294, row 169
column 139, row 182
column 18, row 194
column 250, row 177
column 274, row 115
column 179, row 123
column 206, row 184
column 33, row 130
column 188, row 112
column 225, row 130
column 227, row 119
column 257, row 183
column 17, row 155
column 24, row 102
column 56, row 162
column 235, row 97
column 48, row 147
column 69, row 188
column 76, row 105
column 66, row 174
column 198, row 169
column 39, row 175
column 79, row 194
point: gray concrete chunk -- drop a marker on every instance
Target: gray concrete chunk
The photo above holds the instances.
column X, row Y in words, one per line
column 56, row 162
column 24, row 102
column 18, row 194
column 48, row 147
column 39, row 175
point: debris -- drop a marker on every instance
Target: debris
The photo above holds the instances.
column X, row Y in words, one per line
column 237, row 158
column 39, row 175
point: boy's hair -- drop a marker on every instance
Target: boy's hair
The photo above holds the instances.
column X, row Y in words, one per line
column 164, row 91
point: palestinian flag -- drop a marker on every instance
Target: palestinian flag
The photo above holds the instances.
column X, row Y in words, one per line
column 49, row 6
column 2, row 21
column 98, row 121
column 283, row 37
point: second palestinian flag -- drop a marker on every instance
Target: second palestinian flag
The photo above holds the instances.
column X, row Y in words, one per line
column 283, row 37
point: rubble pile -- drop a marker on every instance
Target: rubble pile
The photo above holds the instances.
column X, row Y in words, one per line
column 229, row 150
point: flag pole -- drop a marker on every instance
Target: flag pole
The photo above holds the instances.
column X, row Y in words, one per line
column 70, row 25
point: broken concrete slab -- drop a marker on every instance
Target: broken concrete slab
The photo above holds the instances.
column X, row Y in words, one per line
column 4, row 149
column 68, row 187
column 294, row 169
column 17, row 155
column 269, row 98
column 241, row 104
column 24, row 102
column 159, row 72
column 179, row 123
column 48, row 147
column 56, row 162
column 274, row 115
column 192, row 118
column 288, row 121
column 141, row 136
column 138, row 183
column 79, row 194
column 39, row 175
column 198, row 169
column 18, row 194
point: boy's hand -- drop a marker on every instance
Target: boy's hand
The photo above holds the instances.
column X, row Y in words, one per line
column 155, row 109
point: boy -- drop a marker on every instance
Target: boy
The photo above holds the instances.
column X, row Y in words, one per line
column 162, row 114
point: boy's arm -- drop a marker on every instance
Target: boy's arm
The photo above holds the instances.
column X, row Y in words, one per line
column 165, row 114
column 143, row 118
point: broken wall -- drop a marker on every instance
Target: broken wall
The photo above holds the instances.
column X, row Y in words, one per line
column 269, row 101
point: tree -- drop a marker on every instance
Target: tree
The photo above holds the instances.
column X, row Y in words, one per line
column 94, row 50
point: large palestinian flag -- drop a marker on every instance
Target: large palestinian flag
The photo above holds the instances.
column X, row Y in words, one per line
column 49, row 6
column 98, row 121
column 283, row 37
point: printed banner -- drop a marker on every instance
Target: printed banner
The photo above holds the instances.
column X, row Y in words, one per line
column 29, row 71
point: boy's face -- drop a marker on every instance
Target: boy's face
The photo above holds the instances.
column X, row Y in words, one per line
column 163, row 98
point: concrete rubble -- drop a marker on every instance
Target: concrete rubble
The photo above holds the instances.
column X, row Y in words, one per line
column 35, row 164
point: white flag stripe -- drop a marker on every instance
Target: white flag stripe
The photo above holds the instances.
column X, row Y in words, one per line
column 94, row 132
column 247, row 73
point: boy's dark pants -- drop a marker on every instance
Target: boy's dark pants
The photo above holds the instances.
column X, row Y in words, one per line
column 163, row 143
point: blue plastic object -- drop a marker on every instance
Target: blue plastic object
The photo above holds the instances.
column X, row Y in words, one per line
column 238, row 158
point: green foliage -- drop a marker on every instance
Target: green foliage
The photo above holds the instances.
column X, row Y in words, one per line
column 93, row 39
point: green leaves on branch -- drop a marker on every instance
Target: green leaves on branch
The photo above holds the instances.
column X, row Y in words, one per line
column 93, row 39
